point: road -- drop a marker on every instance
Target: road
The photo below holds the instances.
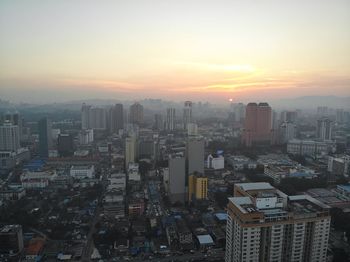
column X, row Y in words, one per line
column 86, row 256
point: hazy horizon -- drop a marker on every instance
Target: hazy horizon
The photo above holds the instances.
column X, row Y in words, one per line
column 174, row 50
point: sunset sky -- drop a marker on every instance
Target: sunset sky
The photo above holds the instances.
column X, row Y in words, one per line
column 181, row 49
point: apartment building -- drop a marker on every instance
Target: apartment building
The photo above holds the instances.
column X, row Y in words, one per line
column 264, row 224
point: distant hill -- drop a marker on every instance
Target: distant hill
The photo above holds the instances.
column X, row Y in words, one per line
column 312, row 102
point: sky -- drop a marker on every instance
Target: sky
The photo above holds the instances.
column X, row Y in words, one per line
column 208, row 50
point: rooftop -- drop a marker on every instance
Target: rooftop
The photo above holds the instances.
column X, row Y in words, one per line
column 10, row 228
column 205, row 239
column 255, row 186
column 345, row 187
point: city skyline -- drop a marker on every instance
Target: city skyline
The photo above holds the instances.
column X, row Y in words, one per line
column 183, row 50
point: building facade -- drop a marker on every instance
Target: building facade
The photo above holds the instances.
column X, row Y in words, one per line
column 9, row 137
column 116, row 118
column 176, row 181
column 136, row 114
column 257, row 125
column 195, row 155
column 187, row 114
column 324, row 129
column 197, row 188
column 45, row 137
column 170, row 119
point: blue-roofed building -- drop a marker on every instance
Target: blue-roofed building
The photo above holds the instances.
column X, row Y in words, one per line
column 34, row 165
column 344, row 189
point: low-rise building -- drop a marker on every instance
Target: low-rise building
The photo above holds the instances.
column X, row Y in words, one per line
column 339, row 166
column 133, row 172
column 310, row 147
column 12, row 193
column 11, row 240
column 216, row 162
column 82, row 171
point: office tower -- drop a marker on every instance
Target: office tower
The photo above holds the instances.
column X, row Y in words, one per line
column 158, row 122
column 264, row 224
column 257, row 125
column 187, row 116
column 11, row 240
column 130, row 150
column 192, row 129
column 45, row 137
column 9, row 137
column 170, row 119
column 65, row 145
column 197, row 187
column 324, row 129
column 195, row 155
column 85, row 116
column 136, row 114
column 177, row 177
column 287, row 132
column 116, row 118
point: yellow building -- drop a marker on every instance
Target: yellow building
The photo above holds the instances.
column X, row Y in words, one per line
column 197, row 188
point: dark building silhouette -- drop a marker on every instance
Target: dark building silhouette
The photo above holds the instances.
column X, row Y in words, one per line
column 116, row 118
column 45, row 137
column 65, row 145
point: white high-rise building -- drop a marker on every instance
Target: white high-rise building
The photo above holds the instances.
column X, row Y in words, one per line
column 264, row 224
column 170, row 119
column 288, row 131
column 93, row 117
column 192, row 129
column 324, row 129
column 9, row 137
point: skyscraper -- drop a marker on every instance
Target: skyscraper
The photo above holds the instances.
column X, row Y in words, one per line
column 177, row 178
column 136, row 114
column 170, row 119
column 324, row 129
column 264, row 224
column 98, row 118
column 9, row 137
column 195, row 155
column 258, row 124
column 93, row 117
column 116, row 118
column 187, row 116
column 45, row 137
column 85, row 116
